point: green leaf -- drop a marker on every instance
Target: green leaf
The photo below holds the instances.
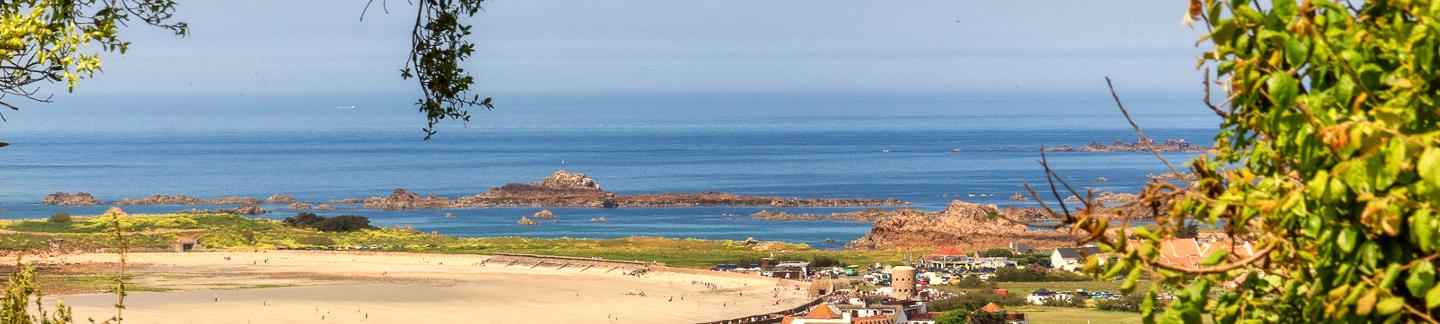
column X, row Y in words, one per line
column 1282, row 88
column 1390, row 305
column 1347, row 239
column 1432, row 298
column 1429, row 166
column 1421, row 279
column 1215, row 258
column 1130, row 280
column 1366, row 303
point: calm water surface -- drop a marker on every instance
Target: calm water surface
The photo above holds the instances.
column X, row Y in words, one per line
column 901, row 150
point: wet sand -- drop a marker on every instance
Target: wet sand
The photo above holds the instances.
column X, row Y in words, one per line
column 340, row 287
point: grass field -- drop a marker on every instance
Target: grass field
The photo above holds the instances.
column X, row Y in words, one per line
column 1025, row 288
column 1045, row 314
column 228, row 231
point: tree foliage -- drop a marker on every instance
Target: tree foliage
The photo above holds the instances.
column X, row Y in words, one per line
column 1326, row 161
column 50, row 41
column 21, row 289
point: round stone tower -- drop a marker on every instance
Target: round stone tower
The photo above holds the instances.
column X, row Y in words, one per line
column 902, row 281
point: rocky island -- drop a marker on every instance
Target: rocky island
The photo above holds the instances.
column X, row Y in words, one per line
column 76, row 199
column 1170, row 145
column 961, row 224
column 569, row 189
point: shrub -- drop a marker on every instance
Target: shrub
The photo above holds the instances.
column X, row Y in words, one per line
column 343, row 223
column 820, row 261
column 974, row 282
column 1128, row 303
column 994, row 253
column 1073, row 301
column 306, row 220
column 60, row 217
column 1035, row 274
column 953, row 317
column 974, row 300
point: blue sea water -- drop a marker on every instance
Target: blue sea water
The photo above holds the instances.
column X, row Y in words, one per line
column 866, row 149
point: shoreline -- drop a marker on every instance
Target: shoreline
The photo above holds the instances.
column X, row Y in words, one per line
column 396, row 286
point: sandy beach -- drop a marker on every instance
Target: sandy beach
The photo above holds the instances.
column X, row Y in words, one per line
column 354, row 287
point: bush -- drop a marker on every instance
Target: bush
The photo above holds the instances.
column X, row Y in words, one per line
column 1129, row 303
column 1034, row 274
column 974, row 300
column 1073, row 301
column 953, row 317
column 820, row 261
column 306, row 220
column 974, row 282
column 343, row 223
column 995, row 253
column 60, row 217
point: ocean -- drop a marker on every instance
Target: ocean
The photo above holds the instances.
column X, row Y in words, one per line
column 823, row 148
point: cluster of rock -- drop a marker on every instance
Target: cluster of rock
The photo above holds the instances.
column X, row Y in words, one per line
column 568, row 189
column 402, row 199
column 1170, row 145
column 281, row 199
column 186, row 200
column 525, row 221
column 76, row 199
column 543, row 214
column 961, row 224
column 241, row 210
column 867, row 215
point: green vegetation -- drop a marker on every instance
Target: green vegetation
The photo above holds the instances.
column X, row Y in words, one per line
column 49, row 41
column 1037, row 274
column 975, row 299
column 342, row 223
column 1327, row 160
column 1025, row 288
column 229, row 231
column 1046, row 314
column 20, row 289
column 60, row 217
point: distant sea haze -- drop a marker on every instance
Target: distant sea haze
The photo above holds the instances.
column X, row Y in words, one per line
column 927, row 153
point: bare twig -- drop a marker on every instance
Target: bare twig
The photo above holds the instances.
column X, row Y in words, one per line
column 1143, row 138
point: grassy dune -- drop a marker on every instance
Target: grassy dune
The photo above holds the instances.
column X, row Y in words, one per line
column 228, row 231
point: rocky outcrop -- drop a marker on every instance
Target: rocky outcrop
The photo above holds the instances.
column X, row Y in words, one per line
column 569, row 180
column 161, row 200
column 401, row 199
column 962, row 224
column 76, row 199
column 1059, row 148
column 543, row 214
column 346, row 201
column 242, row 210
column 568, row 189
column 525, row 221
column 1018, row 197
column 297, row 206
column 1170, row 145
column 324, row 207
column 250, row 210
column 599, row 220
column 867, row 215
column 186, row 200
column 281, row 199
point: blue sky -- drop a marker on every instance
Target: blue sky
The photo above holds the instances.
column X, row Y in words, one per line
column 962, row 49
